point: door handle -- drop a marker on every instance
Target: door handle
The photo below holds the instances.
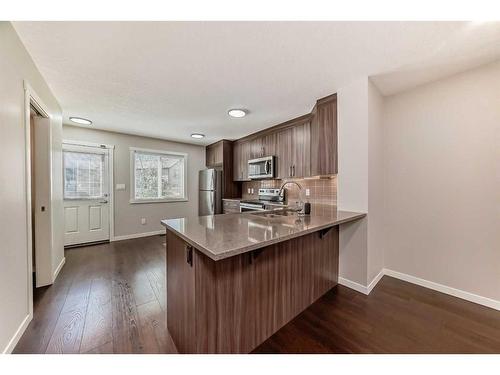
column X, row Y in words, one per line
column 103, row 202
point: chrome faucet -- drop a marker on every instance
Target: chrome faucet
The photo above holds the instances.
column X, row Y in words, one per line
column 301, row 203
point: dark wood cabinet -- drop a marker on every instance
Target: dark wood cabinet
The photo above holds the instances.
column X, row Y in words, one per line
column 181, row 290
column 214, row 154
column 305, row 146
column 233, row 305
column 324, row 137
column 294, row 147
column 241, row 155
column 220, row 155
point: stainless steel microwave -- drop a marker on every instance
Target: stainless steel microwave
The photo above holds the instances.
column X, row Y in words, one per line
column 262, row 168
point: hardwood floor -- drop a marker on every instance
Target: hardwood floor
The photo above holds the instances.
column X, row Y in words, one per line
column 108, row 298
column 111, row 299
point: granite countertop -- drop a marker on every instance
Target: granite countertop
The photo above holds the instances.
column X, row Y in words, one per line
column 232, row 199
column 223, row 236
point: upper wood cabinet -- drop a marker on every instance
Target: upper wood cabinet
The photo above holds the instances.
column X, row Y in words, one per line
column 324, row 137
column 305, row 146
column 294, row 145
column 220, row 155
column 214, row 154
column 241, row 155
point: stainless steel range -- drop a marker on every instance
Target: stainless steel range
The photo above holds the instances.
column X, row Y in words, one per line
column 268, row 199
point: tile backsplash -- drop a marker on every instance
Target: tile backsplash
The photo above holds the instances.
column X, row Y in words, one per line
column 321, row 190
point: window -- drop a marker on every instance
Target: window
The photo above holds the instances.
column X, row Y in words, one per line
column 157, row 176
column 83, row 175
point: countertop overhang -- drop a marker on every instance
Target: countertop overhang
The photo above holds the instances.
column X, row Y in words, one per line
column 224, row 236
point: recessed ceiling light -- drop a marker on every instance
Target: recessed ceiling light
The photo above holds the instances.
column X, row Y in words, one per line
column 197, row 135
column 79, row 120
column 238, row 113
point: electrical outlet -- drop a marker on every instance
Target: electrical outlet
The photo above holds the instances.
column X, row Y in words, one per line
column 143, row 221
column 308, row 192
column 252, row 191
column 249, row 191
column 120, row 187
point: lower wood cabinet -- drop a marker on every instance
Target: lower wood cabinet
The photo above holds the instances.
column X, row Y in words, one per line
column 233, row 305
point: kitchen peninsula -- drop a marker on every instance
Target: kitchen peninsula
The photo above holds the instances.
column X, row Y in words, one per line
column 233, row 280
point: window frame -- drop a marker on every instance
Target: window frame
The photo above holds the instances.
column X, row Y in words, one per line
column 133, row 199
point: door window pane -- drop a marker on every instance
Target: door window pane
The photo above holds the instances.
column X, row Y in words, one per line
column 83, row 175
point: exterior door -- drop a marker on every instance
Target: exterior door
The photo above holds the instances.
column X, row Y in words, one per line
column 86, row 191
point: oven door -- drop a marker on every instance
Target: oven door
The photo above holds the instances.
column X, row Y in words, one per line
column 261, row 168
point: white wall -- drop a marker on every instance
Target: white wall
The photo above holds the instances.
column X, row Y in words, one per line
column 128, row 216
column 360, row 181
column 16, row 66
column 442, row 181
column 352, row 194
column 376, row 227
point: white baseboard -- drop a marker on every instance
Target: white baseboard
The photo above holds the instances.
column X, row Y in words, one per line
column 58, row 269
column 17, row 336
column 353, row 285
column 359, row 287
column 138, row 235
column 485, row 301
column 375, row 281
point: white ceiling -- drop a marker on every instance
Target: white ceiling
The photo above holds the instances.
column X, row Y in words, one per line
column 171, row 79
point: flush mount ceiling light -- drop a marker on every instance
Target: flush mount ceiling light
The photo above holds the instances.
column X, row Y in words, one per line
column 197, row 135
column 79, row 120
column 237, row 112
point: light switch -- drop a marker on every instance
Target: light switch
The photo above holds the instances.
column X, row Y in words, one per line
column 120, row 187
column 251, row 190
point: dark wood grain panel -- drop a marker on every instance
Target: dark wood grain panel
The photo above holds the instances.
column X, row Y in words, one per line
column 324, row 137
column 206, row 306
column 242, row 300
column 180, row 295
column 231, row 189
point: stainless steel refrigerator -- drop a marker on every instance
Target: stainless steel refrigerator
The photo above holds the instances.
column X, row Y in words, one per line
column 210, row 192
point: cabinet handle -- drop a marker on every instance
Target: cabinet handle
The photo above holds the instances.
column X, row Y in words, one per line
column 189, row 255
column 293, row 170
column 290, row 171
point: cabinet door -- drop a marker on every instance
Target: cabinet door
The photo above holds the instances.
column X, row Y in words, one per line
column 237, row 161
column 268, row 144
column 324, row 139
column 255, row 148
column 241, row 154
column 209, row 156
column 294, row 151
column 214, row 155
column 180, row 294
column 284, row 153
column 218, row 153
column 301, row 150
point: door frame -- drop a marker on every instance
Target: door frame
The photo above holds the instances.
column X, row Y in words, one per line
column 111, row 166
column 32, row 99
